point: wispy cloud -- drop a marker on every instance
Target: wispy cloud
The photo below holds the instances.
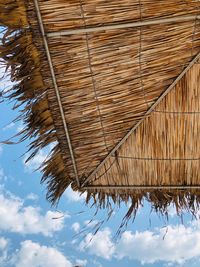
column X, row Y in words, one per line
column 32, row 196
column 76, row 227
column 9, row 126
column 91, row 223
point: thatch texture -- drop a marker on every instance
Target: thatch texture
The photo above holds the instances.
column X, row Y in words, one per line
column 164, row 155
column 62, row 15
column 107, row 80
column 154, row 157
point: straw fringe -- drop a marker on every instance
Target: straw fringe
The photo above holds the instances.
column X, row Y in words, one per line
column 13, row 14
column 160, row 201
column 21, row 57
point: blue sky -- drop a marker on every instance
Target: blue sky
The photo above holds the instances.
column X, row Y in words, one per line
column 33, row 234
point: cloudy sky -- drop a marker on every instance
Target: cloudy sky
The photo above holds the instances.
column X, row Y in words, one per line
column 33, row 234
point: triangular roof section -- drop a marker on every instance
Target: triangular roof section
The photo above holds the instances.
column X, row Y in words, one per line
column 160, row 157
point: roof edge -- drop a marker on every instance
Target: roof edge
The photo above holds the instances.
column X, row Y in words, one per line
column 22, row 60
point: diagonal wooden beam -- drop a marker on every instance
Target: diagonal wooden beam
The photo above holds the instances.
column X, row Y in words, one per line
column 56, row 89
column 124, row 25
column 112, row 152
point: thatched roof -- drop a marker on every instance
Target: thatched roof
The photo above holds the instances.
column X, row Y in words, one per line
column 116, row 84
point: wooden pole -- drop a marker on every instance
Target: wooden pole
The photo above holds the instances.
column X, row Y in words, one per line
column 56, row 89
column 124, row 25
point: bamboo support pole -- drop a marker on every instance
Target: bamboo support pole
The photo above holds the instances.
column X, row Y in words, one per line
column 56, row 89
column 124, row 25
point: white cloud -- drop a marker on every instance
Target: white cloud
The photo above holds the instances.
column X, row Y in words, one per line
column 99, row 244
column 18, row 218
column 76, row 227
column 81, row 263
column 34, row 255
column 32, row 196
column 172, row 212
column 174, row 244
column 74, row 196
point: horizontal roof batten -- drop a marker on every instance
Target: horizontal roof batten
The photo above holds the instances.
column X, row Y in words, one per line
column 124, row 25
column 140, row 187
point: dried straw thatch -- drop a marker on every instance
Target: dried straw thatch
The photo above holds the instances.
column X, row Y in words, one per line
column 116, row 84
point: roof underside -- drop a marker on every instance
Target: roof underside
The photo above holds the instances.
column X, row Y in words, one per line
column 164, row 155
column 108, row 80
